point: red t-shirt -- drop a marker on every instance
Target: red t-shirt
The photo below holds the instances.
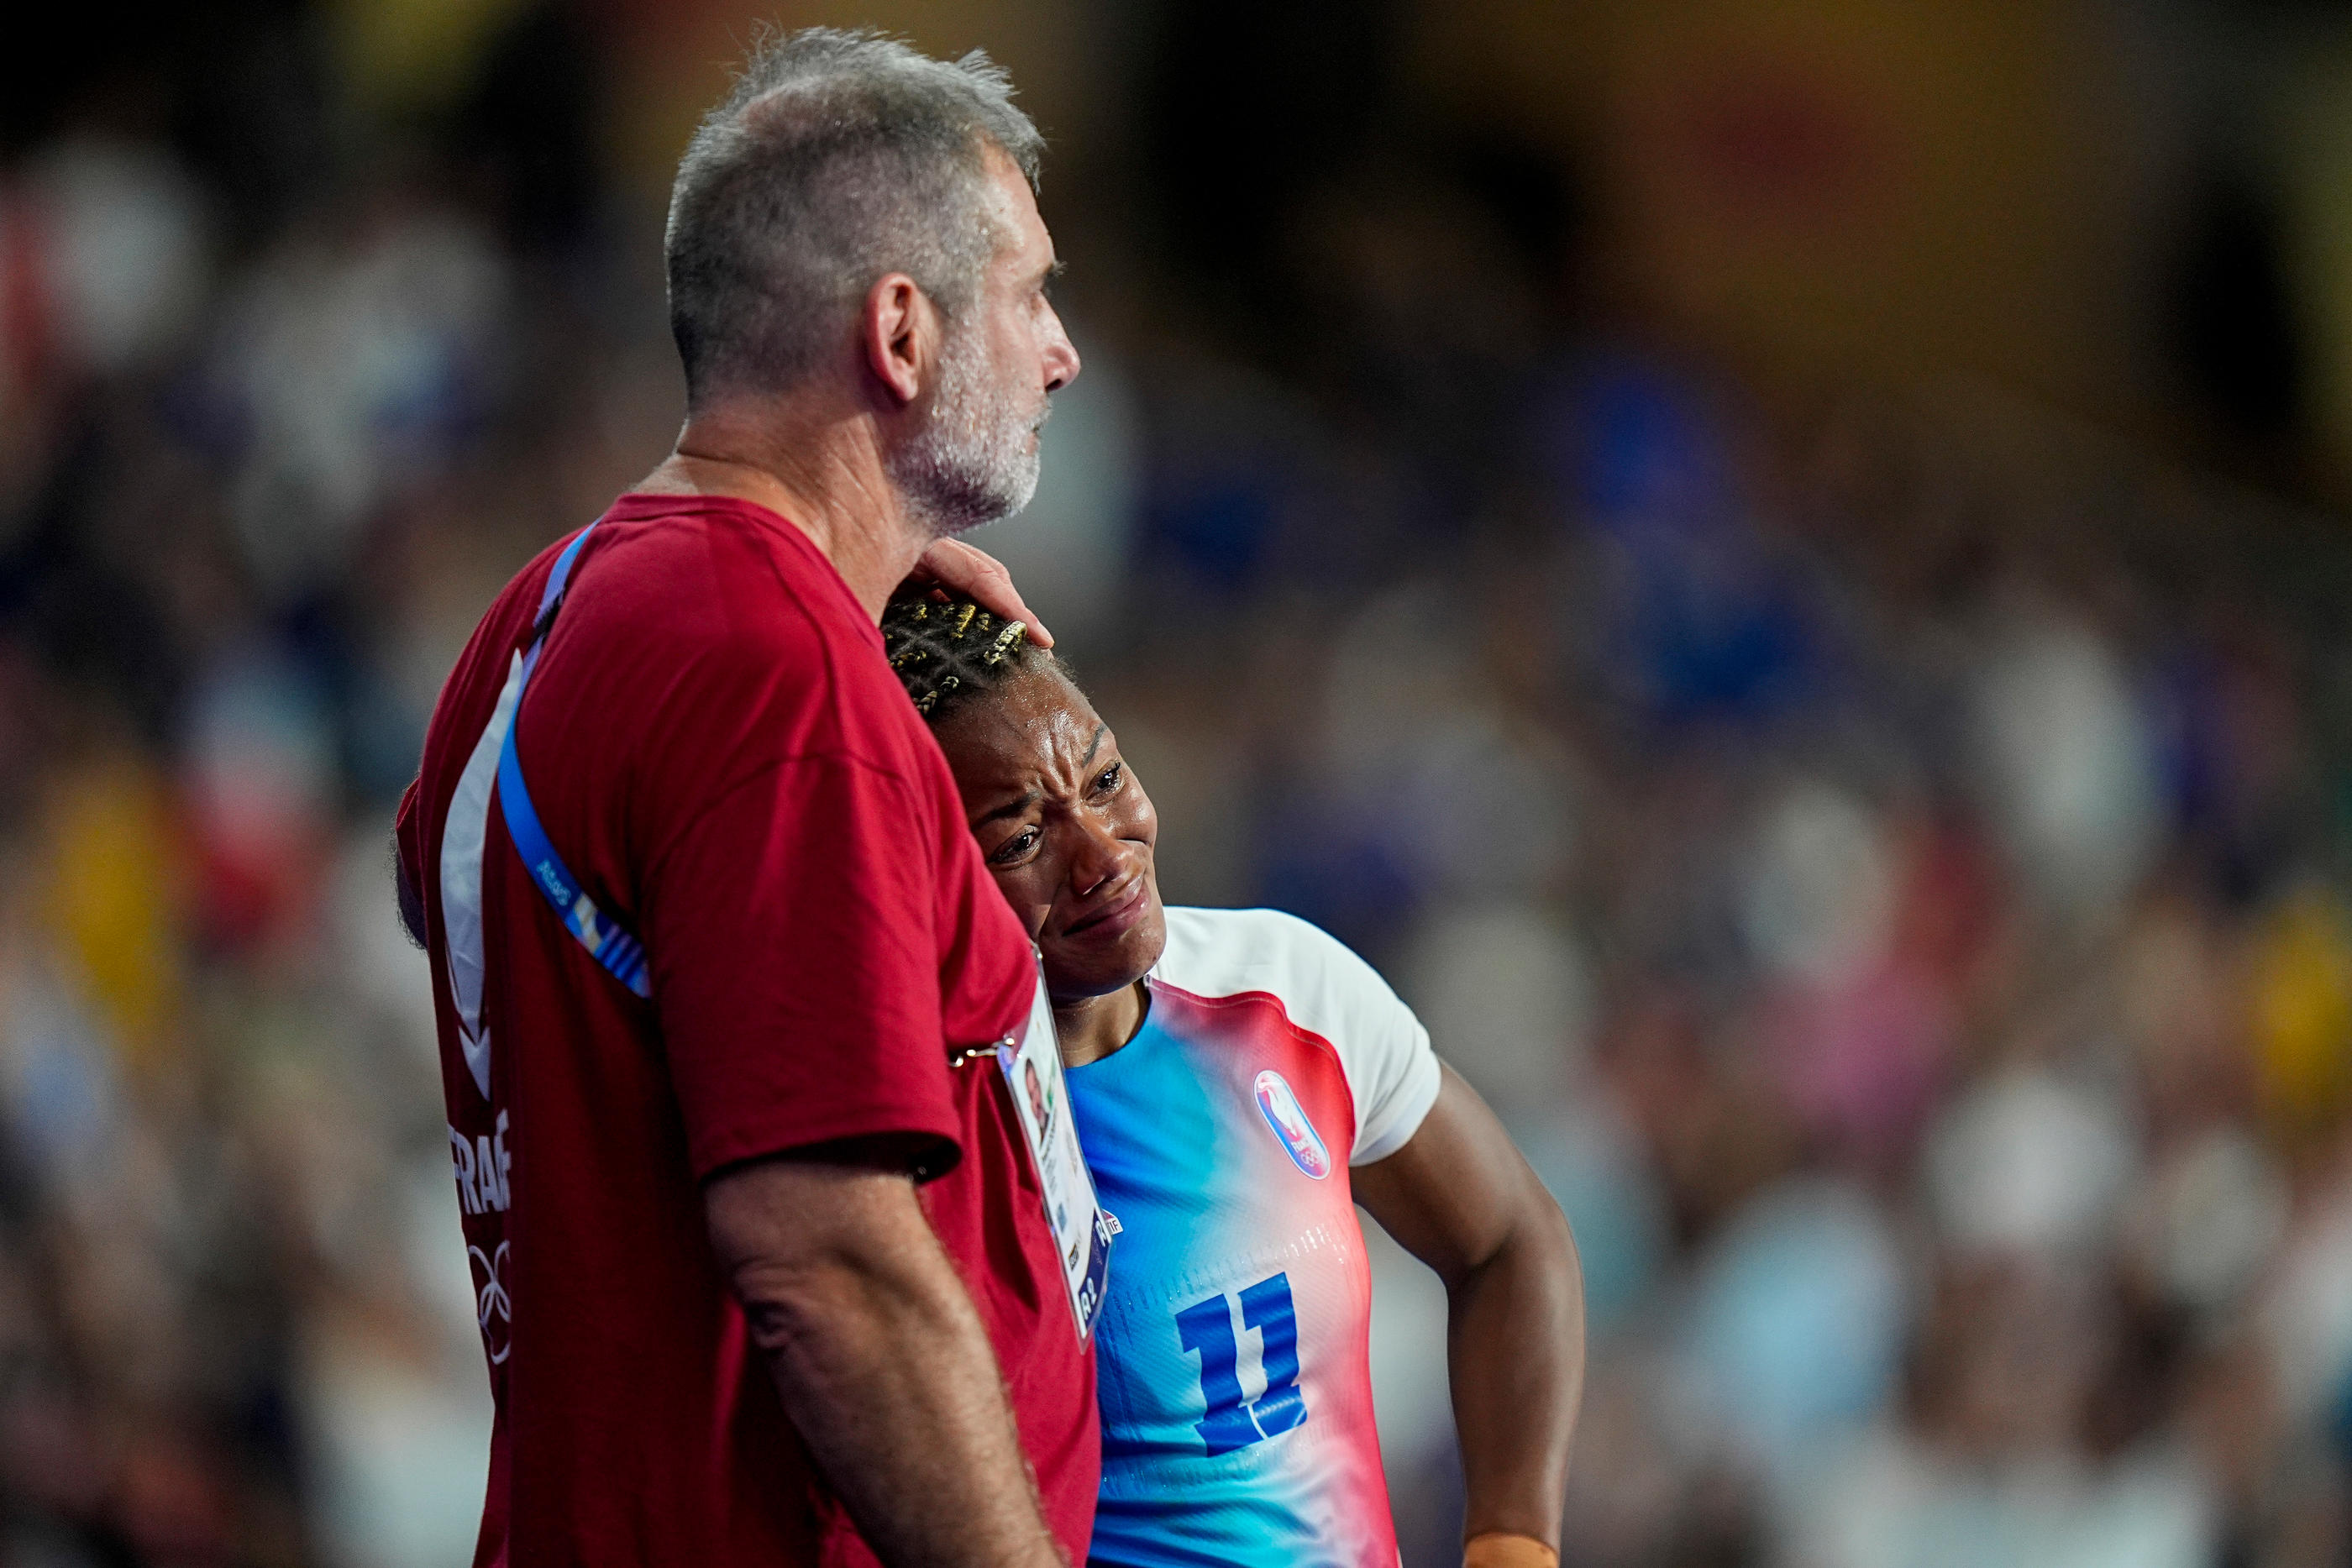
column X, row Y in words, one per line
column 720, row 751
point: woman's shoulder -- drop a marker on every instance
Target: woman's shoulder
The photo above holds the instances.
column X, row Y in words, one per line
column 1216, row 953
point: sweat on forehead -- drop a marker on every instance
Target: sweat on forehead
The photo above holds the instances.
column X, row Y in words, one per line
column 946, row 652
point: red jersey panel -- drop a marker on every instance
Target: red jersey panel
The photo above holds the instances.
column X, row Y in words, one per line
column 719, row 750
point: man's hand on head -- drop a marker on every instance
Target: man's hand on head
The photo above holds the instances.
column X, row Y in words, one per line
column 976, row 575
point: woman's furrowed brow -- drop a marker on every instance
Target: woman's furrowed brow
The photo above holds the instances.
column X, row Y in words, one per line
column 1013, row 807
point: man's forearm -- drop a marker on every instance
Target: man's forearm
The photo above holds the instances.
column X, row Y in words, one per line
column 1514, row 1346
column 882, row 1364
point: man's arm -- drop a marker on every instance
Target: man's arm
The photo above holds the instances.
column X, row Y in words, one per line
column 1459, row 1197
column 881, row 1361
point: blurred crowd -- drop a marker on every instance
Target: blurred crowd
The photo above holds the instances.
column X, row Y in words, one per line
column 1882, row 850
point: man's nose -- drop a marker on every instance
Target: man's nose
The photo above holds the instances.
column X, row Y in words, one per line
column 1061, row 357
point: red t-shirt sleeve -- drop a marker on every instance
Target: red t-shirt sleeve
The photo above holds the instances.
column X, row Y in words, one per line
column 408, row 881
column 795, row 966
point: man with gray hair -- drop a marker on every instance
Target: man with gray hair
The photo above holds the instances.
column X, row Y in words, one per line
column 769, row 1268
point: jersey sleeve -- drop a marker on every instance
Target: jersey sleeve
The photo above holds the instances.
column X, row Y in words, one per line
column 791, row 927
column 1383, row 1050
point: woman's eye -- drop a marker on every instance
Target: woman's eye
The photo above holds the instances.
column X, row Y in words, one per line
column 1013, row 848
column 1112, row 778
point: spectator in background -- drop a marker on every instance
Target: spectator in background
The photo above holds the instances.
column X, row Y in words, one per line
column 1775, row 790
column 857, row 274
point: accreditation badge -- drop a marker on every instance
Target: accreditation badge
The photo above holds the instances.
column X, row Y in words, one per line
column 1032, row 1063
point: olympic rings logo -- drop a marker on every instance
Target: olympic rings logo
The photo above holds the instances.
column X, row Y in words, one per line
column 493, row 1302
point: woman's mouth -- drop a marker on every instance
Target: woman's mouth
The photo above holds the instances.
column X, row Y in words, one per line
column 1116, row 917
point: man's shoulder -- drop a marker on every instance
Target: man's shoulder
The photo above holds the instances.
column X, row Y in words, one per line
column 673, row 577
column 703, row 572
column 701, row 632
column 720, row 607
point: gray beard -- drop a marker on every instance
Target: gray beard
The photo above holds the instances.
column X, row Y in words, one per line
column 968, row 465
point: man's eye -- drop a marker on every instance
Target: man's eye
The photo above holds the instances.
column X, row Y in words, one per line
column 1013, row 848
column 1112, row 778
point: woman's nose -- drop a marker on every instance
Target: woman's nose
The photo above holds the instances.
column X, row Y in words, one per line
column 1096, row 861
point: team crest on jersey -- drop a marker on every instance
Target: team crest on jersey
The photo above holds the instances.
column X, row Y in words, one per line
column 1289, row 1119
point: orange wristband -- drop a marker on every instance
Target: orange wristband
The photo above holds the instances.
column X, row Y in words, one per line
column 1497, row 1549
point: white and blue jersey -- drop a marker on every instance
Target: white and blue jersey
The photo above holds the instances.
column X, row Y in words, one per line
column 1236, row 1394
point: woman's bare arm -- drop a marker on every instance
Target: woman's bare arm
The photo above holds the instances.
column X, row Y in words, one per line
column 1460, row 1197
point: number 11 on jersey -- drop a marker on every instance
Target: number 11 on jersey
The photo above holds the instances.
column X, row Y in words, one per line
column 1206, row 1329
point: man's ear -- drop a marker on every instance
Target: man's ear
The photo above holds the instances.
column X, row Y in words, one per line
column 899, row 331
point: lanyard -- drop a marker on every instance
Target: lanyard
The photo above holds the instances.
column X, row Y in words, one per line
column 1082, row 1230
column 607, row 942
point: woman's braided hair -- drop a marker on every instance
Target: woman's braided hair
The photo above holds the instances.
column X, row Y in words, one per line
column 947, row 649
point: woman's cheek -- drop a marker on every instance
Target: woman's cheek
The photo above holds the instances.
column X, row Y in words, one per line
column 1021, row 891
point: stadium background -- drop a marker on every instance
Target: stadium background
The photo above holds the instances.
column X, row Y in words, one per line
column 1779, row 566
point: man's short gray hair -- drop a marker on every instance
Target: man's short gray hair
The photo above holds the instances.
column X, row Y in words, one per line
column 841, row 155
